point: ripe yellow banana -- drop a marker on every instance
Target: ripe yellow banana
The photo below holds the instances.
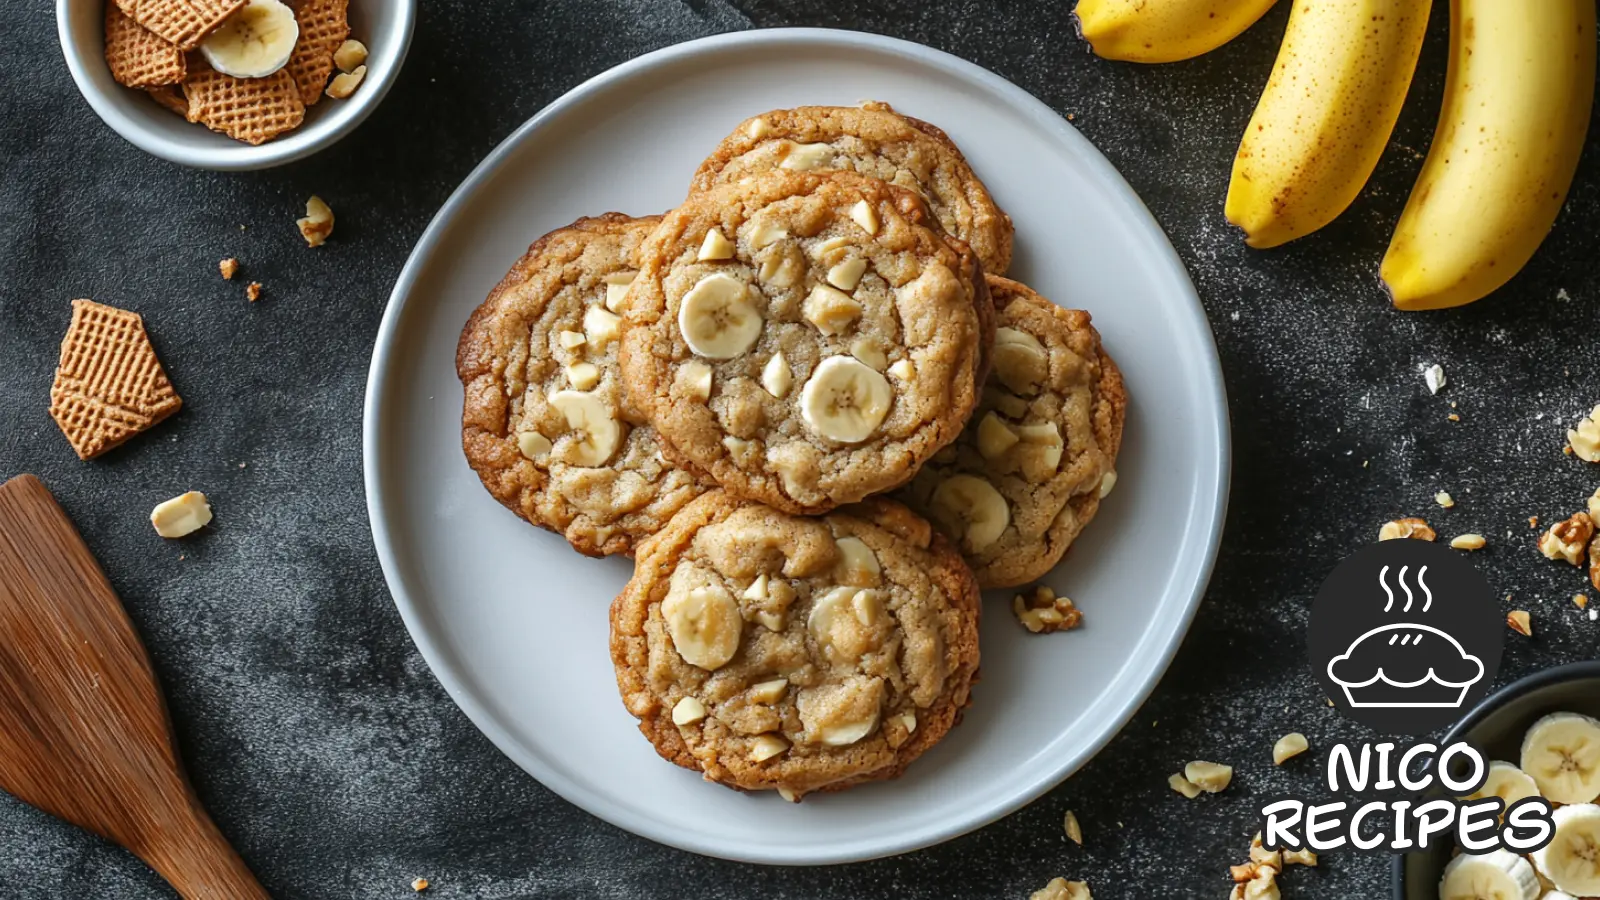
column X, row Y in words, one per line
column 1325, row 115
column 1155, row 31
column 1516, row 109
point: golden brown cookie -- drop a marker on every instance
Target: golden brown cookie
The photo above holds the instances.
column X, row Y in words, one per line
column 874, row 140
column 545, row 423
column 808, row 339
column 778, row 652
column 1040, row 452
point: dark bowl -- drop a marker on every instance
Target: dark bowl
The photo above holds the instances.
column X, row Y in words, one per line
column 1495, row 726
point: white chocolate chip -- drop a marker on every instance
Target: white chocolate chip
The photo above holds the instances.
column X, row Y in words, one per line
column 995, row 437
column 583, row 375
column 867, row 350
column 765, row 232
column 767, row 746
column 1107, row 482
column 758, row 128
column 801, row 157
column 903, row 370
column 617, row 288
column 184, row 514
column 715, row 246
column 601, row 326
column 830, row 309
column 570, row 339
column 694, row 380
column 865, row 216
column 858, row 565
column 533, row 445
column 688, row 711
column 769, row 691
column 776, row 376
column 846, row 275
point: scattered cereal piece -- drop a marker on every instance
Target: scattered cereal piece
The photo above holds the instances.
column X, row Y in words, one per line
column 1585, row 439
column 1208, row 776
column 1044, row 612
column 1433, row 376
column 252, row 291
column 1568, row 538
column 1074, row 830
column 419, row 884
column 109, row 383
column 1411, row 527
column 1182, row 785
column 1519, row 621
column 182, row 515
column 350, row 54
column 318, row 222
column 1062, row 889
column 1468, row 542
column 1444, row 500
column 229, row 267
column 1289, row 746
column 345, row 83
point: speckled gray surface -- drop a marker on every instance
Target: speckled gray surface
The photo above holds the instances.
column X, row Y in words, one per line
column 325, row 748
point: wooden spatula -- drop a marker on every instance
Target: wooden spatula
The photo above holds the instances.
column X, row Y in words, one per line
column 84, row 733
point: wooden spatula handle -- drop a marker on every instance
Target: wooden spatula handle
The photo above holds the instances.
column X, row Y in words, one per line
column 199, row 863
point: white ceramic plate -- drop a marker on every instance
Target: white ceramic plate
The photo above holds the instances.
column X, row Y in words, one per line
column 514, row 623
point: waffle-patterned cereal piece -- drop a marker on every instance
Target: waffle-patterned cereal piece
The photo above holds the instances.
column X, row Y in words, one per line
column 253, row 110
column 170, row 97
column 137, row 56
column 109, row 384
column 324, row 25
column 183, row 22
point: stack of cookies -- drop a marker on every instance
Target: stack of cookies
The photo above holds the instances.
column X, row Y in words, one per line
column 246, row 68
column 810, row 406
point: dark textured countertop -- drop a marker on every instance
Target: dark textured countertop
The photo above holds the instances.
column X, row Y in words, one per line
column 313, row 729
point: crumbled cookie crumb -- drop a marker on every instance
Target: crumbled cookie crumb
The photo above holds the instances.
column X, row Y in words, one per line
column 1074, row 830
column 419, row 884
column 1044, row 612
column 317, row 224
column 1208, row 776
column 229, row 268
column 1289, row 746
column 1568, row 538
column 1519, row 621
column 1410, row 527
column 1062, row 889
column 1468, row 541
column 1444, row 499
column 1584, row 440
column 252, row 291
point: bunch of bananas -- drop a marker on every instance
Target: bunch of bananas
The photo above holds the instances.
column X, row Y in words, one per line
column 1516, row 110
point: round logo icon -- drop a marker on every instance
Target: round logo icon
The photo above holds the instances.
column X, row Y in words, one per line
column 1406, row 636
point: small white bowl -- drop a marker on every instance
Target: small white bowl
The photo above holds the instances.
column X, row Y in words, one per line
column 383, row 25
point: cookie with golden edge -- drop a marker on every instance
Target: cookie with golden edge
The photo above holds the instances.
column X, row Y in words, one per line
column 1040, row 452
column 545, row 423
column 778, row 652
column 876, row 141
column 806, row 338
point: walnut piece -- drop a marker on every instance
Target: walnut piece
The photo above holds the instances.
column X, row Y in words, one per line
column 1585, row 439
column 1062, row 889
column 1288, row 747
column 1411, row 527
column 318, row 222
column 1519, row 621
column 1264, row 886
column 1044, row 612
column 1262, row 857
column 1303, row 857
column 229, row 268
column 1568, row 538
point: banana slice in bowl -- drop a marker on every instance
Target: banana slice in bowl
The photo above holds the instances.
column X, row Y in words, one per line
column 254, row 42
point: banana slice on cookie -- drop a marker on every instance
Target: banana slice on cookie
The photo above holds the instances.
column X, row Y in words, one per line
column 1020, row 361
column 594, row 432
column 1500, row 875
column 1562, row 753
column 253, row 42
column 845, row 400
column 717, row 319
column 970, row 506
column 703, row 620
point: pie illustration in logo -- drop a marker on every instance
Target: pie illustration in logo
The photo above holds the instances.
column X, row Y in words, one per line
column 1405, row 664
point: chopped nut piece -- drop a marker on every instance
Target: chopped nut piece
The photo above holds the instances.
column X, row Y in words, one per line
column 1062, row 889
column 1074, row 830
column 715, row 246
column 345, row 83
column 1208, row 776
column 229, row 267
column 1594, row 564
column 1585, row 439
column 865, row 216
column 767, row 746
column 1261, row 856
column 1107, row 482
column 688, row 711
column 1433, row 377
column 1444, row 499
column 1594, row 505
column 1519, row 621
column 1262, row 887
column 1568, row 538
column 350, row 54
column 1288, row 747
column 1299, row 857
column 318, row 222
column 419, row 884
column 1044, row 612
column 182, row 515
column 252, row 291
column 1242, row 873
column 1182, row 785
column 1581, row 601
column 1468, row 542
column 1411, row 527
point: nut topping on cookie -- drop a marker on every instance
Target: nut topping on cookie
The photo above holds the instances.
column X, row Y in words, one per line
column 844, row 400
column 969, row 506
column 717, row 319
column 593, row 434
column 766, row 746
column 703, row 619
